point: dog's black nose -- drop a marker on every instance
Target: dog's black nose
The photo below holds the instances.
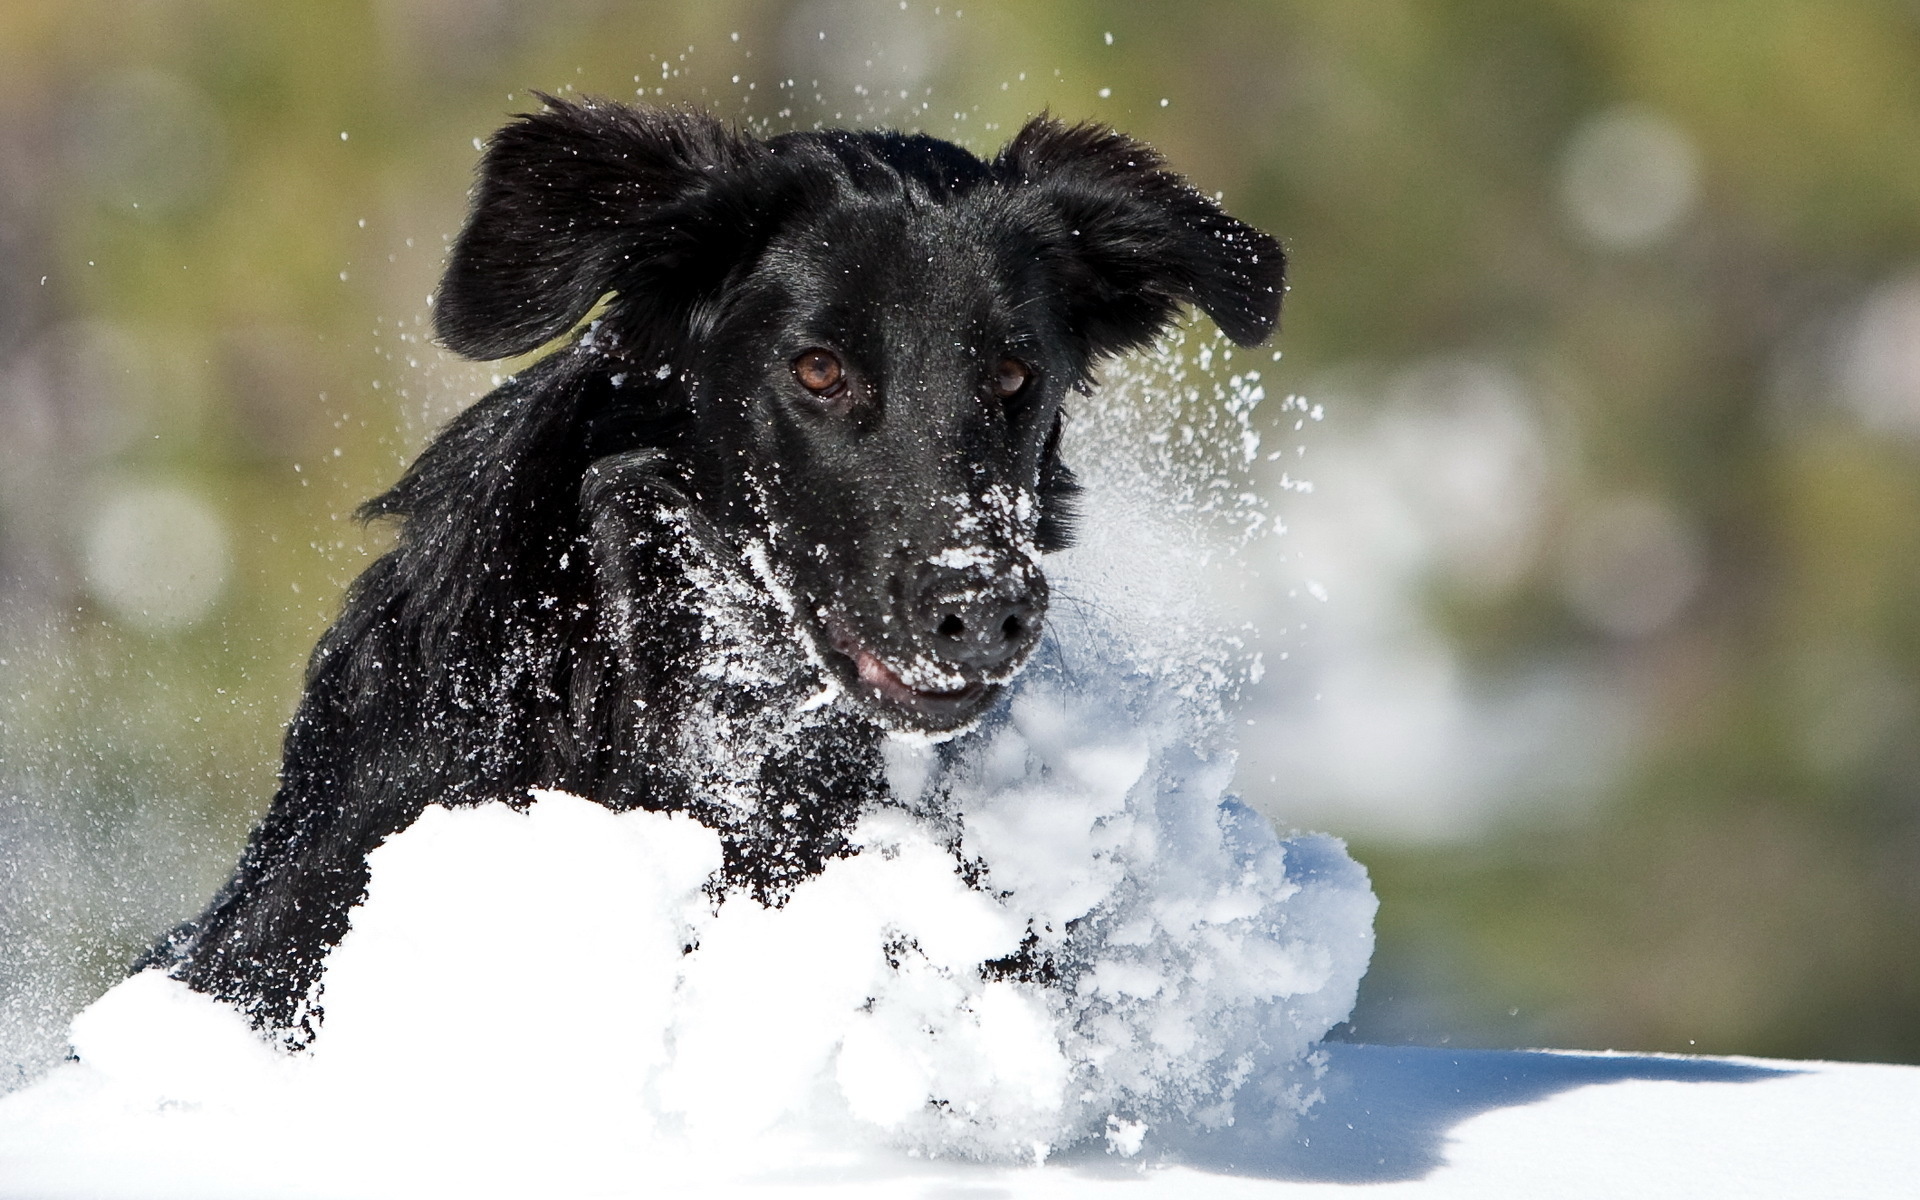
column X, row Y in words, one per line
column 981, row 621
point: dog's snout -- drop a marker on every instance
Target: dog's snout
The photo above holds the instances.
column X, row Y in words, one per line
column 980, row 621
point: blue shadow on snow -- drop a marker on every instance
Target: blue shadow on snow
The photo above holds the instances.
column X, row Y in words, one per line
column 1388, row 1109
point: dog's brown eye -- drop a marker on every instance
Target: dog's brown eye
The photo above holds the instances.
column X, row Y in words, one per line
column 819, row 371
column 1010, row 378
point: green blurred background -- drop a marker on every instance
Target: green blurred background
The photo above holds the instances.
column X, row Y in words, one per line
column 1601, row 621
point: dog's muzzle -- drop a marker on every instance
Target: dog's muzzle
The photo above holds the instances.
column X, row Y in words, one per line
column 983, row 624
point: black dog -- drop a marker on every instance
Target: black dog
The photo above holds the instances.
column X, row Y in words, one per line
column 787, row 493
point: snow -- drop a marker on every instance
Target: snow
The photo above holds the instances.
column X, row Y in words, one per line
column 1412, row 1121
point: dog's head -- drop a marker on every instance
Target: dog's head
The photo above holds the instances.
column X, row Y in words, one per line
column 871, row 337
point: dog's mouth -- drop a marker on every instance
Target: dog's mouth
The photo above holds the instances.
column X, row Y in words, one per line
column 928, row 706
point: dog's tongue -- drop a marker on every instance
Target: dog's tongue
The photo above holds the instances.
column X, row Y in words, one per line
column 876, row 673
column 881, row 677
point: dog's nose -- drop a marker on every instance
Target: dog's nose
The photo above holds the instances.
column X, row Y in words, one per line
column 977, row 620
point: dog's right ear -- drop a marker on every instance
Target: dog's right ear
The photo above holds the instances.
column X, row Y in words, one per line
column 585, row 198
column 1130, row 241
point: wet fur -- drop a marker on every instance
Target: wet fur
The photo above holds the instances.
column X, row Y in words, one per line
column 610, row 573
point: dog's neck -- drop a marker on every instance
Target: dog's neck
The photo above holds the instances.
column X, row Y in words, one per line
column 738, row 722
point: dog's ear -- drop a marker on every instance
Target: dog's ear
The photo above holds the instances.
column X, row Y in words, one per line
column 585, row 198
column 1132, row 241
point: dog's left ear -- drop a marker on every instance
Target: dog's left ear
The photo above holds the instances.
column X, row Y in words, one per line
column 589, row 197
column 1133, row 241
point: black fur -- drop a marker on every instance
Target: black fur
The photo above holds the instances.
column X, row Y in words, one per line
column 658, row 570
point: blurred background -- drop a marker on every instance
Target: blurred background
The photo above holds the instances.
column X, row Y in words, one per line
column 1597, row 632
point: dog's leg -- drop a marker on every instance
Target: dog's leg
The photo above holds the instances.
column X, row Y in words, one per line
column 344, row 789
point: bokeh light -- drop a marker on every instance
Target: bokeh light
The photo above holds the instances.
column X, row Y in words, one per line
column 156, row 554
column 1629, row 178
column 1881, row 371
column 1629, row 565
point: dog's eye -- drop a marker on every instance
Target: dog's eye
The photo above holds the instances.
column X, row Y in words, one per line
column 1010, row 377
column 819, row 371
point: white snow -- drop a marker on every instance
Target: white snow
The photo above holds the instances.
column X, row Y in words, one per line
column 1418, row 1122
